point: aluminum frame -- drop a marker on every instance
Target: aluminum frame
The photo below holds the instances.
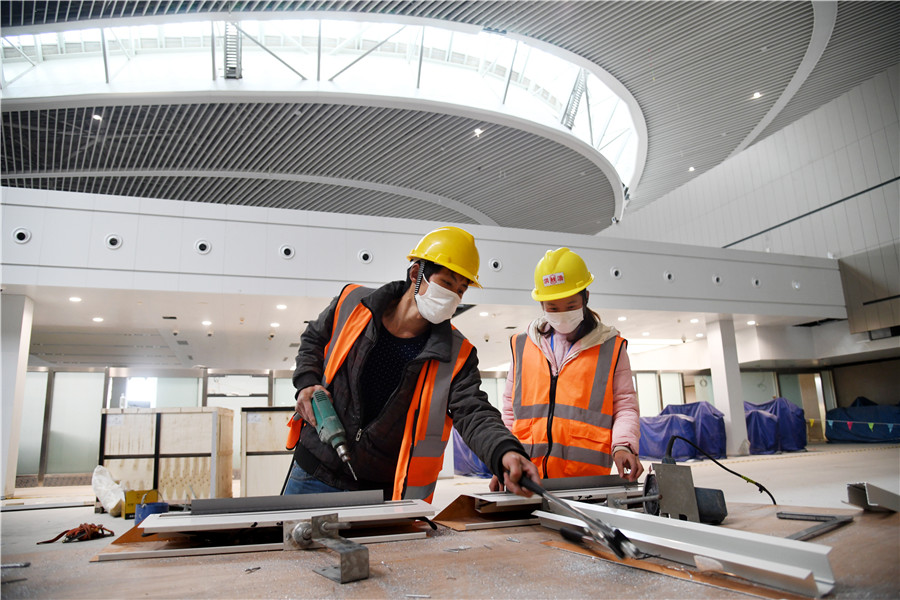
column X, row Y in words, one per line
column 790, row 565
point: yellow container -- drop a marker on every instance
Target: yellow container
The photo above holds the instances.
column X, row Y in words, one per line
column 133, row 498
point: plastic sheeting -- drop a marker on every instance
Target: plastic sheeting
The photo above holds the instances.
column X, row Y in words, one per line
column 762, row 430
column 791, row 422
column 863, row 423
column 709, row 425
column 656, row 432
column 465, row 462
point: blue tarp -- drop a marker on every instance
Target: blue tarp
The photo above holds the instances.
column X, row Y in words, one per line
column 791, row 422
column 465, row 462
column 709, row 425
column 762, row 431
column 656, row 431
column 863, row 423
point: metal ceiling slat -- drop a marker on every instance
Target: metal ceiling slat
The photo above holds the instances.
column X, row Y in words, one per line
column 210, row 114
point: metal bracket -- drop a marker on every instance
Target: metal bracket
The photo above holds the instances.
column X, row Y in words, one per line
column 322, row 532
column 677, row 499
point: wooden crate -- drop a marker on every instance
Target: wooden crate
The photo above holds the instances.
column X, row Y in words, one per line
column 264, row 460
column 182, row 452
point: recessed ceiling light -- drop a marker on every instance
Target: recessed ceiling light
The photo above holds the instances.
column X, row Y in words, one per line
column 74, row 299
column 98, row 319
column 751, row 322
column 623, row 318
column 695, row 320
column 756, row 95
column 483, row 313
column 281, row 306
column 207, row 323
column 478, row 131
column 690, row 169
column 645, row 333
column 97, row 117
column 699, row 335
column 274, row 324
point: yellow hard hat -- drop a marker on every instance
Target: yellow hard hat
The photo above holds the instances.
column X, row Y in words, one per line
column 560, row 274
column 450, row 247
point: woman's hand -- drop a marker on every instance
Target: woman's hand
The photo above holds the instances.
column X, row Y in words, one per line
column 628, row 464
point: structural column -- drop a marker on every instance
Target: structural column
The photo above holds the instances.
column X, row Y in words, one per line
column 726, row 382
column 16, row 314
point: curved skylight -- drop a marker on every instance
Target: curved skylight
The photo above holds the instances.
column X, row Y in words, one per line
column 479, row 69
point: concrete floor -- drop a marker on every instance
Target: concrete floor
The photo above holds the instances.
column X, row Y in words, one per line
column 815, row 478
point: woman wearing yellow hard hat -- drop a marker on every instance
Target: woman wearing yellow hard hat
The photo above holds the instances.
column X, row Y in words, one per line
column 569, row 395
column 397, row 374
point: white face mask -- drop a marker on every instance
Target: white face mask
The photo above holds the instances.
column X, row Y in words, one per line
column 565, row 322
column 437, row 304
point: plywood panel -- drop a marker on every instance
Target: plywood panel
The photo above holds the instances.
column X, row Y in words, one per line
column 129, row 433
column 131, row 473
column 265, row 431
column 185, row 433
column 264, row 475
column 184, row 477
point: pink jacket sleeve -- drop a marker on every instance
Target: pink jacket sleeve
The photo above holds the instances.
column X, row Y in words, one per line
column 506, row 409
column 626, row 429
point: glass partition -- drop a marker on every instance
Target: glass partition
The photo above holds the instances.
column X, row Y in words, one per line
column 32, row 430
column 73, row 446
column 178, row 391
column 759, row 387
column 647, row 386
column 235, row 392
column 672, row 387
column 284, row 392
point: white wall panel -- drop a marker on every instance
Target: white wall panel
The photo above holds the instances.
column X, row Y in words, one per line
column 194, row 230
column 158, row 239
column 63, row 241
column 246, row 250
column 843, row 148
column 125, row 228
column 30, row 219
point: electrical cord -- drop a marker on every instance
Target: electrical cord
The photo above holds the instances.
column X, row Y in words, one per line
column 669, row 458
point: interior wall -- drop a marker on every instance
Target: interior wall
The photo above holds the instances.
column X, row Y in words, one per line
column 877, row 381
column 823, row 186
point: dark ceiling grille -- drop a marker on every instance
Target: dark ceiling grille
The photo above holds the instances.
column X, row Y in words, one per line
column 691, row 66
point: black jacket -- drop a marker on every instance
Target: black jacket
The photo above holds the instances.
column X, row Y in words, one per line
column 375, row 449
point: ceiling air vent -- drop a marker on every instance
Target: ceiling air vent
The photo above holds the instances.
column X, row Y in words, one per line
column 169, row 318
column 182, row 342
column 294, row 345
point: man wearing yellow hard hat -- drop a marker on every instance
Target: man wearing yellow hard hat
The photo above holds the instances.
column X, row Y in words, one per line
column 569, row 396
column 399, row 375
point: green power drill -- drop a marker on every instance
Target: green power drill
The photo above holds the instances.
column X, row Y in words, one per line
column 329, row 427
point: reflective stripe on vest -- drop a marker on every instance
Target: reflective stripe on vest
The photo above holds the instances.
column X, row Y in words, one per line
column 421, row 457
column 338, row 349
column 349, row 305
column 428, row 425
column 580, row 418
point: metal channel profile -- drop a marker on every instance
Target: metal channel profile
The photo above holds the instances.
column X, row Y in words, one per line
column 219, row 506
column 789, row 565
column 872, row 497
column 394, row 510
column 502, row 501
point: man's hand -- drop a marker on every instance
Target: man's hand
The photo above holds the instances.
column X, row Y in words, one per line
column 304, row 403
column 628, row 464
column 516, row 466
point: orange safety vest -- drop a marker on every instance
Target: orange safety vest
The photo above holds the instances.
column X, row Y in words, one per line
column 565, row 422
column 428, row 421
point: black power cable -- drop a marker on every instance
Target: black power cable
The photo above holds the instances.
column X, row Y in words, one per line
column 670, row 460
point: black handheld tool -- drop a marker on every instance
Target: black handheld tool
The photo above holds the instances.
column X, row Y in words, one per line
column 599, row 531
